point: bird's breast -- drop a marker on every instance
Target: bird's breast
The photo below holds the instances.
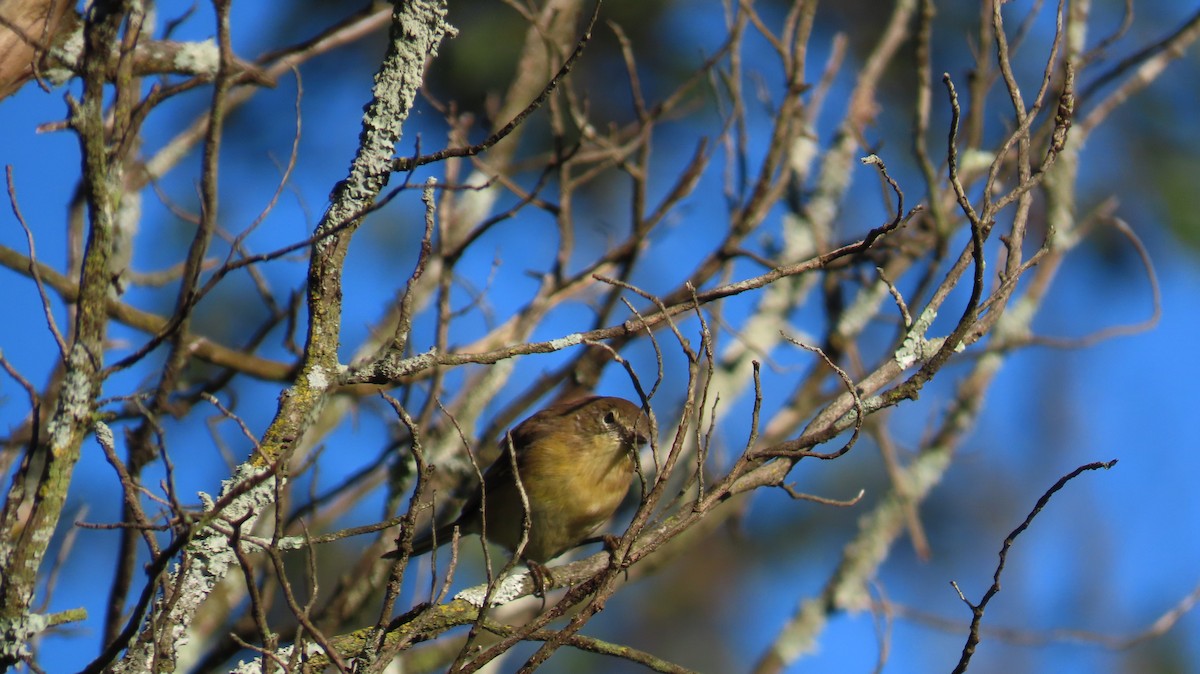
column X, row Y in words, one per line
column 588, row 481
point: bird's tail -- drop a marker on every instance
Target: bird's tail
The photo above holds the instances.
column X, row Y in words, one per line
column 428, row 540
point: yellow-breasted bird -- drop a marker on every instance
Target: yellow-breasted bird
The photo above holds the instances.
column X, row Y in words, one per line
column 575, row 461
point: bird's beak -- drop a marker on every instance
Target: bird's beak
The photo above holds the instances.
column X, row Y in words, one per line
column 641, row 430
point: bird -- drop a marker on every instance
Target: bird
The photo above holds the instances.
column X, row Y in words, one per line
column 575, row 461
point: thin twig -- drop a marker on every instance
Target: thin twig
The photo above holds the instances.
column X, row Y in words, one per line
column 978, row 609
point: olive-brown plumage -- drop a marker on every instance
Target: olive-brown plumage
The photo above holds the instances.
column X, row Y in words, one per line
column 575, row 461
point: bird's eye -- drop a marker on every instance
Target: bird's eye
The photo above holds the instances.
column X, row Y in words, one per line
column 610, row 418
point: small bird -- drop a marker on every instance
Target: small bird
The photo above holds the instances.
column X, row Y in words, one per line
column 575, row 461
